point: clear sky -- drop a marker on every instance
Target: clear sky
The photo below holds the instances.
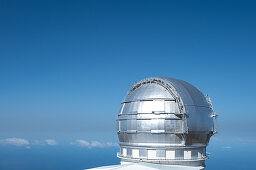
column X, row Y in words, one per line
column 65, row 66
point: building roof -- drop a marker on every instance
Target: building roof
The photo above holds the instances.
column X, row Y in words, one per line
column 147, row 166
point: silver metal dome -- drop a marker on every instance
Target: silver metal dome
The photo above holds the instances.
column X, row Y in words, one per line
column 165, row 120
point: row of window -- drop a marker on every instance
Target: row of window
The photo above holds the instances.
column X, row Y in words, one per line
column 163, row 154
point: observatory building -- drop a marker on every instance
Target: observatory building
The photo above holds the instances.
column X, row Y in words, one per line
column 164, row 123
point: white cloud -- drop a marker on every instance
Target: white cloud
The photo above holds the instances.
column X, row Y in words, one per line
column 51, row 142
column 111, row 144
column 227, row 147
column 96, row 144
column 15, row 141
column 37, row 142
column 82, row 143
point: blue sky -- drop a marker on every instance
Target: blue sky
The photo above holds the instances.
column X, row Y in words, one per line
column 66, row 66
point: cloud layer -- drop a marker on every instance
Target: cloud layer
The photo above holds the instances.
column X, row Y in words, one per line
column 227, row 147
column 15, row 141
column 51, row 142
column 96, row 144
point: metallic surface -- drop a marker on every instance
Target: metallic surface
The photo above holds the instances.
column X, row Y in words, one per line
column 165, row 120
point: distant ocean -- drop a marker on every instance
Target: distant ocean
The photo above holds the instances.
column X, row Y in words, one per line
column 226, row 155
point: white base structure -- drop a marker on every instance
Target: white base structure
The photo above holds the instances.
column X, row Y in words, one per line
column 147, row 166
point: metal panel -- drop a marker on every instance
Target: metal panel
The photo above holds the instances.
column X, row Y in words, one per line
column 124, row 153
column 131, row 124
column 171, row 107
column 200, row 155
column 123, row 125
column 121, row 109
column 151, row 106
column 179, row 154
column 143, row 125
column 151, row 154
column 160, row 154
column 135, row 153
column 194, row 153
column 139, row 139
column 173, row 126
column 170, row 154
column 157, row 124
column 187, row 154
column 148, row 91
column 190, row 95
column 130, row 108
column 129, row 152
column 143, row 152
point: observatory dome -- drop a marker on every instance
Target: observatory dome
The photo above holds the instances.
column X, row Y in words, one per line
column 165, row 120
